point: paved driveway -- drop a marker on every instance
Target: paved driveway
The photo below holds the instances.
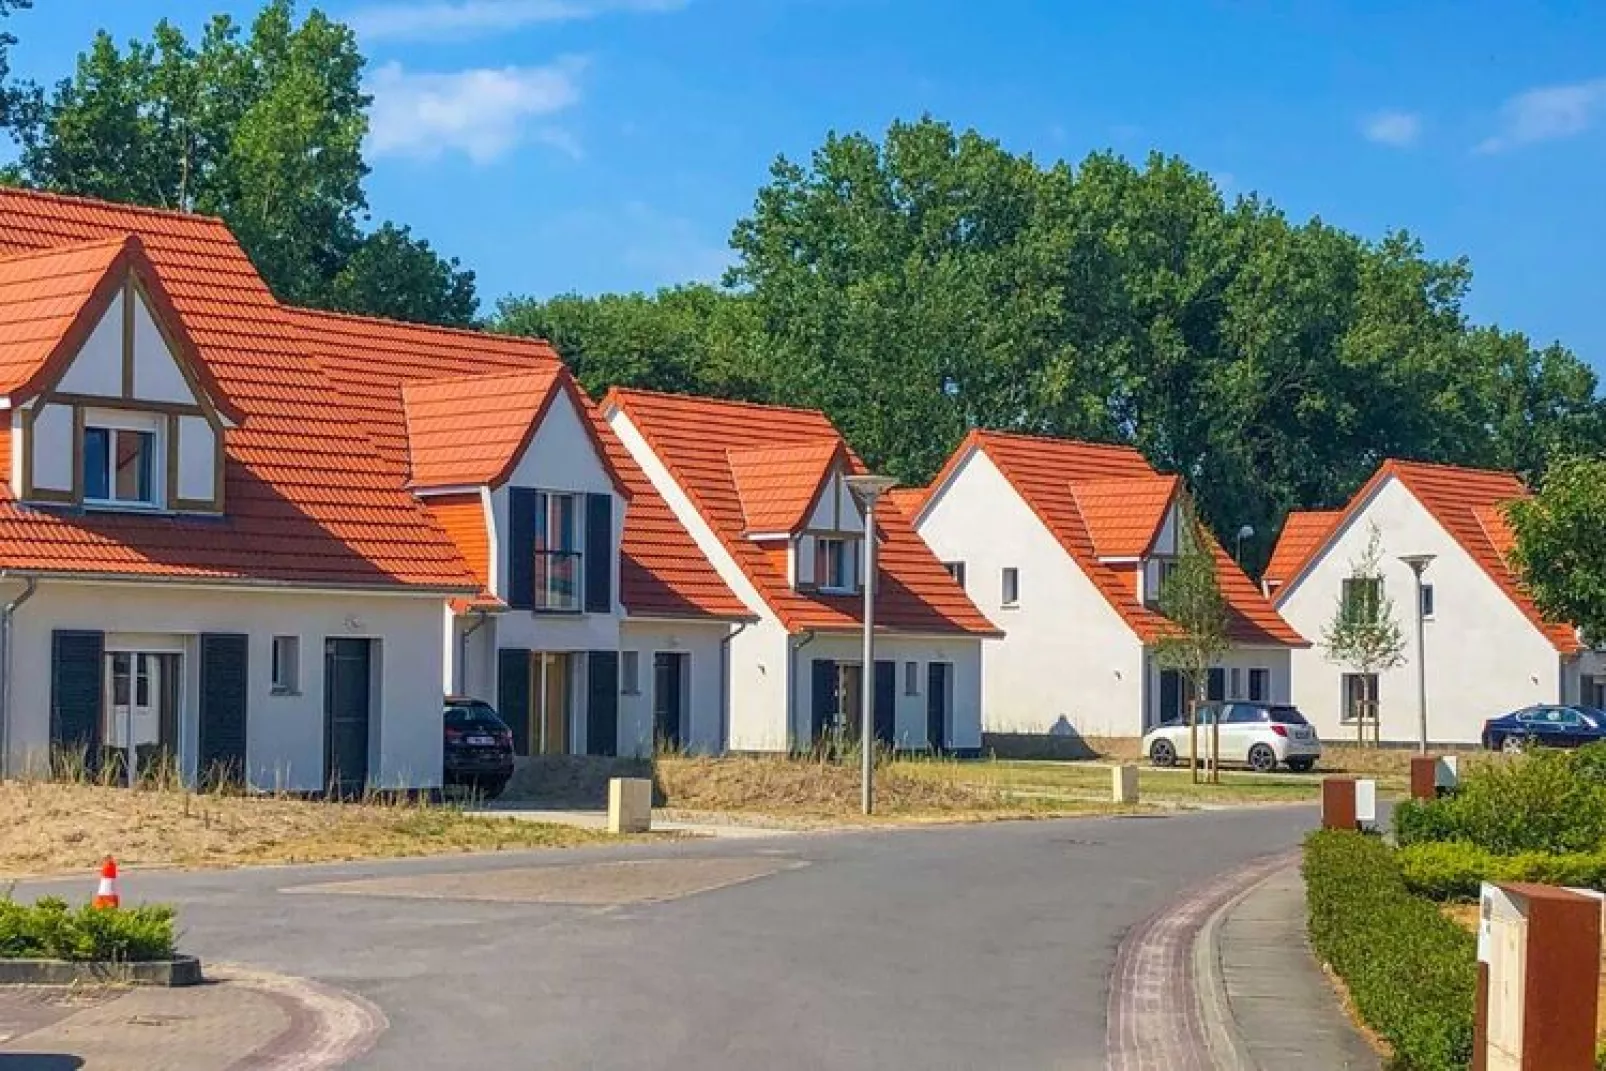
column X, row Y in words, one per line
column 958, row 947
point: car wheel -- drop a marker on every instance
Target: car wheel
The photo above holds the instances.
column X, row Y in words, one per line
column 1301, row 765
column 1511, row 744
column 1262, row 759
column 1162, row 753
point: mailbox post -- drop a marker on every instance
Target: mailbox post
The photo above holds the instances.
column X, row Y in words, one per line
column 1538, row 977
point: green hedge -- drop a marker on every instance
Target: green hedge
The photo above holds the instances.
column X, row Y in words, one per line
column 1411, row 972
column 1453, row 870
column 49, row 929
column 1543, row 801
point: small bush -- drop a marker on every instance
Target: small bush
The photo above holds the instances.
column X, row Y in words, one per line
column 49, row 929
column 1454, row 870
column 1411, row 972
column 1541, row 801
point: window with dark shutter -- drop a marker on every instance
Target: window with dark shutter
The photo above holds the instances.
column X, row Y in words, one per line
column 75, row 693
column 602, row 703
column 224, row 688
column 1216, row 685
column 599, row 554
column 520, row 578
column 513, row 694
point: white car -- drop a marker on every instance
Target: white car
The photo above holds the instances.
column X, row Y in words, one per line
column 1259, row 735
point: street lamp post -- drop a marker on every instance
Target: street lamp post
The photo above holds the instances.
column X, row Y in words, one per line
column 1246, row 532
column 1419, row 564
column 868, row 489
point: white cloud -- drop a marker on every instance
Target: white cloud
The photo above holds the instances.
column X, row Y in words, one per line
column 654, row 247
column 433, row 19
column 482, row 112
column 1548, row 113
column 1396, row 128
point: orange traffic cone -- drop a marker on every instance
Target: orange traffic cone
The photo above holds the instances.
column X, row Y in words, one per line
column 106, row 895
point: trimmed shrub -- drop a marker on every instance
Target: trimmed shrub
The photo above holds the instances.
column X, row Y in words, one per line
column 49, row 929
column 1454, row 870
column 1542, row 801
column 1411, row 972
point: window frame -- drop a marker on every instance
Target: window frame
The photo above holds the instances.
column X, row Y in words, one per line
column 1427, row 606
column 1346, row 710
column 545, row 580
column 277, row 684
column 911, row 678
column 1009, row 587
column 1262, row 674
column 956, row 570
column 824, row 578
column 112, row 424
column 629, row 672
column 1351, row 605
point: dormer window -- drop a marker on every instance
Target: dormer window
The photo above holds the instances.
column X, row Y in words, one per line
column 833, row 564
column 119, row 459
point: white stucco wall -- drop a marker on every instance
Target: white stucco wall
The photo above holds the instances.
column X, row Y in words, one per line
column 197, row 458
column 157, row 377
column 1068, row 663
column 1484, row 658
column 285, row 733
column 52, row 447
column 702, row 719
column 98, row 366
column 963, row 653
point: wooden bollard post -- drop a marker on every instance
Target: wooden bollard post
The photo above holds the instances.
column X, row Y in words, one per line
column 1338, row 803
column 1424, row 776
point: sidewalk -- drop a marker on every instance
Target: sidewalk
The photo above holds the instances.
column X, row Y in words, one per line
column 1266, row 999
column 237, row 1019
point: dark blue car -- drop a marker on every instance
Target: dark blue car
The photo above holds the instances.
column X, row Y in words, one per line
column 1546, row 726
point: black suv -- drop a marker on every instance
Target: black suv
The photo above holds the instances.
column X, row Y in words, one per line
column 479, row 747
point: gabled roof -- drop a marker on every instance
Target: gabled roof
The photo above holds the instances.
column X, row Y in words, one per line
column 1048, row 473
column 694, row 438
column 907, row 499
column 778, row 485
column 1123, row 516
column 1468, row 504
column 308, row 500
column 471, row 430
column 375, row 362
column 1302, row 531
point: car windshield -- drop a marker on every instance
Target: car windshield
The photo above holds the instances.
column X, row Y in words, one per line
column 1286, row 715
column 473, row 716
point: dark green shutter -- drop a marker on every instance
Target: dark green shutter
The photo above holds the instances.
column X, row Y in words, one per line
column 520, row 592
column 602, row 703
column 599, row 554
column 823, row 692
column 513, row 694
column 884, row 710
column 1216, row 685
column 224, row 690
column 76, row 694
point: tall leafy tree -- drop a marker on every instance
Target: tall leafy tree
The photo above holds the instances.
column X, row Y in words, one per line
column 8, row 39
column 263, row 127
column 1560, row 548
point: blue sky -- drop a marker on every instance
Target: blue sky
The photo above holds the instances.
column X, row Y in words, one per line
column 592, row 145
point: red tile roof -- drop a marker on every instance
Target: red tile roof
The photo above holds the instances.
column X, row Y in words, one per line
column 1302, row 530
column 777, row 485
column 907, row 499
column 470, row 431
column 1047, row 474
column 1123, row 516
column 694, row 438
column 662, row 572
column 1467, row 503
column 307, row 500
column 49, row 301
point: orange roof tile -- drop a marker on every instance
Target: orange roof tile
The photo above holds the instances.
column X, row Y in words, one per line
column 907, row 499
column 1467, row 503
column 49, row 301
column 470, row 431
column 1047, row 474
column 778, row 485
column 307, row 500
column 1302, row 530
column 1123, row 516
column 695, row 437
column 375, row 362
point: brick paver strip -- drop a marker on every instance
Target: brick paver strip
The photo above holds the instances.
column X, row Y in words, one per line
column 1153, row 1021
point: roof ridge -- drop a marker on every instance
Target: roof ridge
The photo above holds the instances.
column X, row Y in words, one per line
column 391, row 321
column 991, row 433
column 643, row 392
column 1445, row 466
column 484, row 377
column 107, row 202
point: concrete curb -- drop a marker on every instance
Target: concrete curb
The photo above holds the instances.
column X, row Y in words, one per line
column 329, row 1027
column 1224, row 1039
column 178, row 971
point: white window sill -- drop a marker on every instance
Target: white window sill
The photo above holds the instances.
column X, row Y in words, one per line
column 284, row 691
column 1009, row 606
column 102, row 505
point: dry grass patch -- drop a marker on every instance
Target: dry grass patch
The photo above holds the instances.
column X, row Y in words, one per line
column 813, row 789
column 53, row 827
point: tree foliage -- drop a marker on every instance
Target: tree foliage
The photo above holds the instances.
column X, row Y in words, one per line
column 1363, row 633
column 263, row 128
column 1192, row 600
column 1560, row 549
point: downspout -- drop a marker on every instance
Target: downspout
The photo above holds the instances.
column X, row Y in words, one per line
column 804, row 638
column 462, row 650
column 6, row 612
column 725, row 684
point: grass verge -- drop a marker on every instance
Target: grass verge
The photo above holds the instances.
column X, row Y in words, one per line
column 53, row 827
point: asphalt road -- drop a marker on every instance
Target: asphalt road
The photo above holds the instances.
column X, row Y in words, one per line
column 986, row 946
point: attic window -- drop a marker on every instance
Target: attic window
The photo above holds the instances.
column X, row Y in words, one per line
column 119, row 465
column 833, row 565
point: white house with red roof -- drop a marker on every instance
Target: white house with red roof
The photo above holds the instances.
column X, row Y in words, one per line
column 1065, row 544
column 202, row 556
column 761, row 491
column 1486, row 650
column 597, row 627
